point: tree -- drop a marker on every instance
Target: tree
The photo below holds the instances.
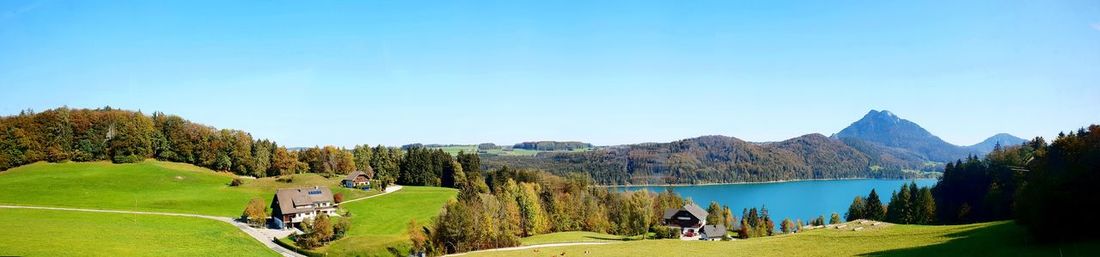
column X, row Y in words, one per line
column 362, row 155
column 926, row 207
column 900, row 207
column 873, row 209
column 714, row 214
column 255, row 212
column 417, row 237
column 532, row 218
column 855, row 211
column 834, row 219
column 727, row 217
column 282, row 163
column 786, row 226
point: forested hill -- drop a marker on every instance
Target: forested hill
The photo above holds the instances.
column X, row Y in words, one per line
column 720, row 159
column 880, row 145
column 1003, row 139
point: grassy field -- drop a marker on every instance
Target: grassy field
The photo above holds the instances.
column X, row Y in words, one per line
column 986, row 239
column 66, row 233
column 378, row 224
column 572, row 237
column 146, row 186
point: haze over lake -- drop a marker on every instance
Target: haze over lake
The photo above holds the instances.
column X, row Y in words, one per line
column 796, row 200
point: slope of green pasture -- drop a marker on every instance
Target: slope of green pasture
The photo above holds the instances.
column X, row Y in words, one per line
column 378, row 224
column 69, row 233
column 984, row 239
column 146, row 186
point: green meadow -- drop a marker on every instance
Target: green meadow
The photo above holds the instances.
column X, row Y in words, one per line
column 378, row 224
column 68, row 233
column 984, row 239
column 146, row 186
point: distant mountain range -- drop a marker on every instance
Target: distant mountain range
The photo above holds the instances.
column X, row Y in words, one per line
column 880, row 145
column 888, row 130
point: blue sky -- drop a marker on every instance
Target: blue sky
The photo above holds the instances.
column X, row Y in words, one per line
column 606, row 72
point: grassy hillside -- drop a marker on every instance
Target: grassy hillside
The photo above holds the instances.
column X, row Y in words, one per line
column 571, row 237
column 147, row 186
column 985, row 239
column 379, row 223
column 65, row 233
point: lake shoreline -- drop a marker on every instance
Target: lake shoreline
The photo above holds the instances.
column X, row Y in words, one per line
column 747, row 183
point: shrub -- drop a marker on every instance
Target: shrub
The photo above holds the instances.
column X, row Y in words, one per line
column 338, row 197
column 236, row 182
column 127, row 159
column 286, row 179
column 318, row 231
column 340, row 227
column 255, row 212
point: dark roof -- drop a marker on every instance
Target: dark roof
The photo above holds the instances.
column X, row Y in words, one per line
column 291, row 197
column 353, row 174
column 714, row 230
column 696, row 210
column 670, row 212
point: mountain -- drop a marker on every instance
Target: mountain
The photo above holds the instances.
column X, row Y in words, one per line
column 1004, row 139
column 879, row 145
column 886, row 129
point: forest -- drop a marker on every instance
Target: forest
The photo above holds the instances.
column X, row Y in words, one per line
column 1039, row 185
column 122, row 136
column 721, row 159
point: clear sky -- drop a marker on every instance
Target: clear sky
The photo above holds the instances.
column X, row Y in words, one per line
column 608, row 72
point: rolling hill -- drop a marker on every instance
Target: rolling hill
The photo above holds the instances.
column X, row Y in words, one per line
column 880, row 145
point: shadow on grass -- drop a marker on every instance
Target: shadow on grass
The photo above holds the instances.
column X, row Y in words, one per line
column 610, row 238
column 1004, row 239
column 394, row 251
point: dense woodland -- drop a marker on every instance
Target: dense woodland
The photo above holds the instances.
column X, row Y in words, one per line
column 720, row 159
column 122, row 136
column 1042, row 186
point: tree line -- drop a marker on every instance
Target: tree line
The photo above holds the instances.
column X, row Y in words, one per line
column 720, row 159
column 123, row 136
column 909, row 205
column 496, row 208
column 1042, row 186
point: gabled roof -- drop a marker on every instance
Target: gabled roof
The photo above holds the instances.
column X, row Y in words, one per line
column 353, row 174
column 670, row 212
column 693, row 209
column 714, row 230
column 696, row 210
column 291, row 197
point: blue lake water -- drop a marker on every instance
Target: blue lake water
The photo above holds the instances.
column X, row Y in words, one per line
column 795, row 200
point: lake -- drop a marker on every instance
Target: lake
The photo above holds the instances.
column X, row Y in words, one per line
column 795, row 200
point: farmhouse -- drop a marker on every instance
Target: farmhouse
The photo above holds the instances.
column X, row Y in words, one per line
column 355, row 179
column 294, row 205
column 690, row 220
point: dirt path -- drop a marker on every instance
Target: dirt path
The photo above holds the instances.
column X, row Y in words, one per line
column 529, row 247
column 389, row 189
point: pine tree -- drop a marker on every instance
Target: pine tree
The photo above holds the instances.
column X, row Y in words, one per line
column 873, row 209
column 855, row 211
